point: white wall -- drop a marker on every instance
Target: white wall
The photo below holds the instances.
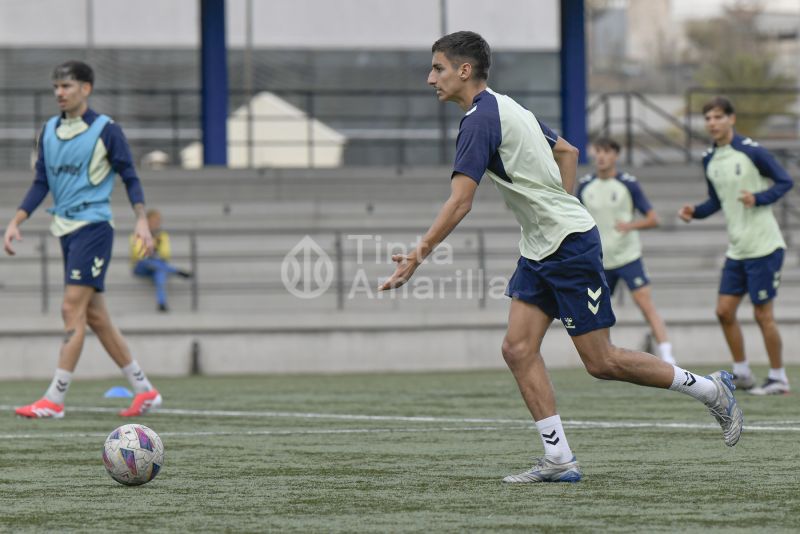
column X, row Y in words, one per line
column 373, row 24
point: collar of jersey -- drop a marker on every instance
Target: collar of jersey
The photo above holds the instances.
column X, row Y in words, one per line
column 67, row 129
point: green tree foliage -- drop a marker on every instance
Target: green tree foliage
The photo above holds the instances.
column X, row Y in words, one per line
column 735, row 59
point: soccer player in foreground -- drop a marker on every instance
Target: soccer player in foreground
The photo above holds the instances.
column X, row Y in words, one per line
column 611, row 198
column 737, row 171
column 80, row 154
column 560, row 272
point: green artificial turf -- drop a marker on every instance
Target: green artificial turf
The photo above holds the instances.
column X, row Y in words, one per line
column 294, row 453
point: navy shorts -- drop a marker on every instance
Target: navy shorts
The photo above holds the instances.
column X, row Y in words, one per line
column 758, row 276
column 569, row 284
column 87, row 253
column 633, row 273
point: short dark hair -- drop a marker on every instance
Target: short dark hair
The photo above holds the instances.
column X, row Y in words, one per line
column 606, row 143
column 77, row 70
column 467, row 46
column 719, row 102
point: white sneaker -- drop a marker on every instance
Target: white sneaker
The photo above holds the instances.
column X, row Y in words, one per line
column 771, row 387
column 545, row 470
column 725, row 409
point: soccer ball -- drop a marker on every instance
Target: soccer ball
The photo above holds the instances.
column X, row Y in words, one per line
column 133, row 454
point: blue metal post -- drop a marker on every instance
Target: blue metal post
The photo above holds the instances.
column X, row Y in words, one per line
column 573, row 75
column 214, row 82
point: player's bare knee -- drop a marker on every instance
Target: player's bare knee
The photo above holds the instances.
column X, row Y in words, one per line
column 515, row 352
column 763, row 315
column 602, row 368
column 725, row 315
column 95, row 319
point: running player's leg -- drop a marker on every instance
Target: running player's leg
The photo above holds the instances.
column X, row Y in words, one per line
column 608, row 362
column 531, row 312
column 73, row 312
column 527, row 325
column 576, row 276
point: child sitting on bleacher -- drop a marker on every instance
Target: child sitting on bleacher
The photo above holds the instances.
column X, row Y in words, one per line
column 155, row 266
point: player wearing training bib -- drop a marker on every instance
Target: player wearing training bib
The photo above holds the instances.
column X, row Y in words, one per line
column 80, row 155
column 559, row 272
column 612, row 197
column 738, row 173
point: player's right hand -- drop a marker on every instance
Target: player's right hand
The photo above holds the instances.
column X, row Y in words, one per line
column 12, row 233
column 686, row 213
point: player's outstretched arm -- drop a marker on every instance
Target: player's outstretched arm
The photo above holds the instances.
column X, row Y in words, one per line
column 142, row 230
column 566, row 157
column 462, row 192
column 12, row 231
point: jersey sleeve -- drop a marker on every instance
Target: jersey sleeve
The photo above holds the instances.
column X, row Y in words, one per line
column 478, row 139
column 549, row 134
column 39, row 188
column 640, row 201
column 119, row 155
column 710, row 206
column 769, row 168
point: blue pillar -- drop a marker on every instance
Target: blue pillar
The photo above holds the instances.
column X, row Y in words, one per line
column 214, row 82
column 573, row 75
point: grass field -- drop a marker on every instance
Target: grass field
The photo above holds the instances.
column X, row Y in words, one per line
column 400, row 452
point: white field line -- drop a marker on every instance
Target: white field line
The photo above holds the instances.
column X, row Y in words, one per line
column 766, row 426
column 287, row 432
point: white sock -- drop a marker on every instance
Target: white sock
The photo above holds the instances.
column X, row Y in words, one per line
column 742, row 369
column 555, row 443
column 136, row 377
column 696, row 386
column 59, row 386
column 665, row 350
column 778, row 374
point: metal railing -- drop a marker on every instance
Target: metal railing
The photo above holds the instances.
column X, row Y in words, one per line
column 486, row 253
column 385, row 127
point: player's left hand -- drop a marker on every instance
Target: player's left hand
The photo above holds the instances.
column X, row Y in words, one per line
column 142, row 232
column 747, row 198
column 406, row 265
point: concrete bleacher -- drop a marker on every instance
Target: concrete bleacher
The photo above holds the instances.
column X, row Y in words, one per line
column 243, row 224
